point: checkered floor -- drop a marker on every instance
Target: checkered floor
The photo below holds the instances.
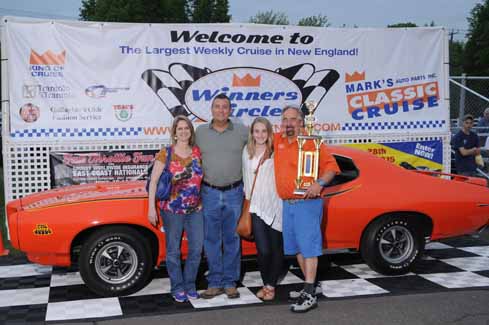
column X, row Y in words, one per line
column 30, row 292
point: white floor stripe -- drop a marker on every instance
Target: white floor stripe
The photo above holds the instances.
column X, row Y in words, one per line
column 82, row 309
column 13, row 271
column 22, row 297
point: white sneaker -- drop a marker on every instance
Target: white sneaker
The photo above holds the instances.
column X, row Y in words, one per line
column 305, row 303
column 294, row 295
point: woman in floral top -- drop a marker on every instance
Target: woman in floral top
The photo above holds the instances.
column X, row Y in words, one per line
column 183, row 210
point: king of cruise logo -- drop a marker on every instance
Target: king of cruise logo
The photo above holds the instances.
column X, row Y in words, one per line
column 47, row 65
column 253, row 92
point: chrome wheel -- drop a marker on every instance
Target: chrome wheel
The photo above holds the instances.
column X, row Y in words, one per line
column 396, row 244
column 116, row 262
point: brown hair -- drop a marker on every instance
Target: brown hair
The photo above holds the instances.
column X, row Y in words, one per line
column 174, row 129
column 251, row 146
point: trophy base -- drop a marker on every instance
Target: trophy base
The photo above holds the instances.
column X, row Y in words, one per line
column 299, row 192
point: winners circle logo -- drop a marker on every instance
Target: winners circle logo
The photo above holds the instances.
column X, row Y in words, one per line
column 253, row 92
column 189, row 90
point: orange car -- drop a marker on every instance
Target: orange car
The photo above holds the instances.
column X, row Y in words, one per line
column 386, row 212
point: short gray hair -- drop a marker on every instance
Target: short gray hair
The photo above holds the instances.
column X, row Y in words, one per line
column 295, row 108
column 486, row 110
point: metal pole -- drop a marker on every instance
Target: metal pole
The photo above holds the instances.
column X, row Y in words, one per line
column 461, row 107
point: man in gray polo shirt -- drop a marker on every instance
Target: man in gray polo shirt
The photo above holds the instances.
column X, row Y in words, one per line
column 221, row 142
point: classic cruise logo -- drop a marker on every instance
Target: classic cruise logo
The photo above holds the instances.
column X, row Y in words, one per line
column 189, row 90
column 47, row 65
column 371, row 99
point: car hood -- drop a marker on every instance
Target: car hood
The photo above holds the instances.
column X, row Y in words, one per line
column 84, row 193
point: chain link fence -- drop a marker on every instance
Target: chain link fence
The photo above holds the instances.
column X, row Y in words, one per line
column 468, row 95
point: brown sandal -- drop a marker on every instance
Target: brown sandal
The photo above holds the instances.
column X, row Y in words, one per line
column 269, row 294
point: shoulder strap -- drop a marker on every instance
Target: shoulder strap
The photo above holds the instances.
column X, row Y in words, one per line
column 256, row 174
column 168, row 158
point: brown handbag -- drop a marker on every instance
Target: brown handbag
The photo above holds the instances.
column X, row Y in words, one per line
column 245, row 227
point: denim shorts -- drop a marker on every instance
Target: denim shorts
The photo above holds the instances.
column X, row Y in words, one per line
column 302, row 227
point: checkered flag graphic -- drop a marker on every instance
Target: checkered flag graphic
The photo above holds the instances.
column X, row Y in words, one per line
column 171, row 86
column 314, row 85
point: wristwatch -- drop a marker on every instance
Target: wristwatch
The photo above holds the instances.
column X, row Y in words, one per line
column 321, row 182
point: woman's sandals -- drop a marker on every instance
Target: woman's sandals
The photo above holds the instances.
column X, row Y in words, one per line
column 266, row 293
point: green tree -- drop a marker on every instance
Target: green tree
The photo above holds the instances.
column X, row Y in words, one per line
column 456, row 52
column 402, row 25
column 476, row 58
column 270, row 18
column 317, row 20
column 209, row 11
column 202, row 11
column 87, row 10
column 221, row 12
column 147, row 11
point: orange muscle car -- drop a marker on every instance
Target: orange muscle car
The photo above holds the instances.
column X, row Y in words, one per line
column 386, row 212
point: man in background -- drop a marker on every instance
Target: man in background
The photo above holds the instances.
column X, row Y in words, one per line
column 466, row 146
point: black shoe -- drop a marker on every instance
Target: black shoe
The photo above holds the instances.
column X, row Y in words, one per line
column 305, row 303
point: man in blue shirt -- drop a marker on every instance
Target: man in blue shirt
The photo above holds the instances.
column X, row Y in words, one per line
column 466, row 146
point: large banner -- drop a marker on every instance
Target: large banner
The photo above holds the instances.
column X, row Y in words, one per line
column 76, row 81
column 425, row 155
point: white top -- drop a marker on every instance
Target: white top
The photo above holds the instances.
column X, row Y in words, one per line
column 265, row 201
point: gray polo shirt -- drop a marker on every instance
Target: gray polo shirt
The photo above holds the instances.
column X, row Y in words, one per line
column 222, row 152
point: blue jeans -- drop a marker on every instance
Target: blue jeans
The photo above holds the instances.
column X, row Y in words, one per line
column 174, row 225
column 221, row 242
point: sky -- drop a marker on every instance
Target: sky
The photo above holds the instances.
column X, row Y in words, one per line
column 363, row 13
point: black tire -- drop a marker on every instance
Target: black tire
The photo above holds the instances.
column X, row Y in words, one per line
column 128, row 248
column 392, row 244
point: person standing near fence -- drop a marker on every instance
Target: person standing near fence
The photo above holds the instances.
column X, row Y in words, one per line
column 483, row 128
column 466, row 146
column 484, row 121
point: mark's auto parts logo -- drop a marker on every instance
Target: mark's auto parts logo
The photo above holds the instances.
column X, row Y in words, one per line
column 380, row 98
column 48, row 64
column 189, row 90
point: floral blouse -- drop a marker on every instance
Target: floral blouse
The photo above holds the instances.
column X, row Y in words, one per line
column 187, row 177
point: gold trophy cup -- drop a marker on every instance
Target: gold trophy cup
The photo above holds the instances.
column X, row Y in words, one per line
column 307, row 160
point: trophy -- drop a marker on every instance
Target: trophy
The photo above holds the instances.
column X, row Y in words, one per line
column 308, row 160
